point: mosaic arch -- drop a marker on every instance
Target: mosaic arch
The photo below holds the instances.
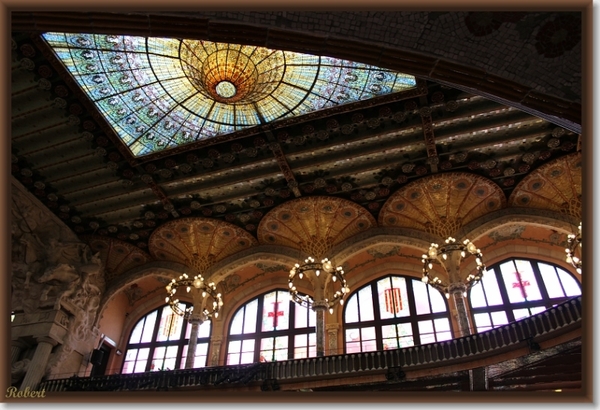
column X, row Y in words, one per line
column 512, row 220
column 555, row 186
column 442, row 204
column 118, row 256
column 314, row 224
column 160, row 93
column 198, row 242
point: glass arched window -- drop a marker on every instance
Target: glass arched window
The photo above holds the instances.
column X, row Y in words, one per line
column 518, row 288
column 159, row 341
column 395, row 312
column 271, row 327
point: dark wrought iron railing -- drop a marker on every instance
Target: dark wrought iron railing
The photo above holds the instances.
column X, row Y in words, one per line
column 521, row 333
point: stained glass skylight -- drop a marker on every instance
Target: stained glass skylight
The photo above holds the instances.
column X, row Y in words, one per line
column 160, row 93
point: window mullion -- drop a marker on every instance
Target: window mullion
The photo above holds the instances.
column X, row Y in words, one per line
column 154, row 337
column 414, row 319
column 377, row 322
column 292, row 329
column 507, row 306
column 257, row 330
column 540, row 280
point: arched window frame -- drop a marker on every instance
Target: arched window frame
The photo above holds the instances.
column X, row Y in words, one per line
column 137, row 352
column 497, row 312
column 295, row 335
column 440, row 320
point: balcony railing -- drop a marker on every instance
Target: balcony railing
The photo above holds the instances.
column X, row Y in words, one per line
column 507, row 337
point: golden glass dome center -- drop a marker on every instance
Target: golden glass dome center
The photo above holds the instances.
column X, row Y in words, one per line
column 225, row 89
column 232, row 74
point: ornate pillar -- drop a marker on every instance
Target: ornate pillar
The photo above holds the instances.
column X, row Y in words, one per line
column 451, row 256
column 215, row 348
column 457, row 291
column 478, row 379
column 16, row 348
column 191, row 352
column 332, row 335
column 320, row 308
column 38, row 363
column 322, row 276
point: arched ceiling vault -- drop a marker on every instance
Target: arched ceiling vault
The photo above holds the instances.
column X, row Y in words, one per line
column 314, row 224
column 442, row 204
column 512, row 216
column 555, row 186
column 118, row 257
column 198, row 242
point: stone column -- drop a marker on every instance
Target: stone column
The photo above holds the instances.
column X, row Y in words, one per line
column 16, row 348
column 215, row 350
column 332, row 334
column 38, row 363
column 457, row 291
column 320, row 308
column 191, row 352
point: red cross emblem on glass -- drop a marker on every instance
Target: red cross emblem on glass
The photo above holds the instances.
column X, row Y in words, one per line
column 275, row 313
column 520, row 283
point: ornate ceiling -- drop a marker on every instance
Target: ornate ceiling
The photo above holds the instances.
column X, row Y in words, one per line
column 555, row 186
column 118, row 256
column 198, row 242
column 442, row 204
column 431, row 158
column 314, row 224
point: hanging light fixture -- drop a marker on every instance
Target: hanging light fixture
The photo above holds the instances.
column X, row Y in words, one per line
column 318, row 273
column 204, row 294
column 446, row 253
column 574, row 246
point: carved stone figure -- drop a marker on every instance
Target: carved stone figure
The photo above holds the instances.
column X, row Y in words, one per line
column 18, row 370
column 62, row 280
column 67, row 252
column 85, row 299
column 52, row 269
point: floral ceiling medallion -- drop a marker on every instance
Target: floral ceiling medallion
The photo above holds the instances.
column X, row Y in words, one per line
column 161, row 93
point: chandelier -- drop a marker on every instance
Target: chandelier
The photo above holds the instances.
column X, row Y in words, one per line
column 574, row 243
column 318, row 274
column 450, row 251
column 205, row 297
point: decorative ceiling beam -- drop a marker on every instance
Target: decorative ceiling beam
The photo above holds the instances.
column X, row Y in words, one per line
column 432, row 156
column 282, row 162
column 164, row 199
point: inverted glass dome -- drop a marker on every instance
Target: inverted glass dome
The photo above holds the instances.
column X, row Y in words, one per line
column 160, row 93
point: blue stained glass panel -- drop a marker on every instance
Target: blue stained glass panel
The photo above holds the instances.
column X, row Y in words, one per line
column 181, row 78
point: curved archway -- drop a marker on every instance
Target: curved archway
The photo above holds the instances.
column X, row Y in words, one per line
column 159, row 341
column 517, row 288
column 271, row 327
column 392, row 312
